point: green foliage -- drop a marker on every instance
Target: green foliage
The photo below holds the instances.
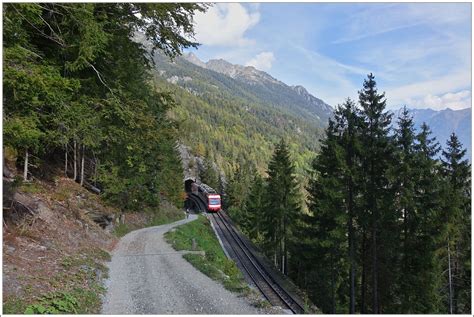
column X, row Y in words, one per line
column 74, row 75
column 121, row 229
column 380, row 233
column 233, row 128
column 54, row 303
column 282, row 206
column 209, row 175
column 215, row 263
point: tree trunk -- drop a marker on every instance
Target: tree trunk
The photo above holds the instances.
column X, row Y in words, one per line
column 351, row 253
column 375, row 303
column 364, row 275
column 65, row 159
column 75, row 160
column 456, row 276
column 450, row 281
column 82, row 164
column 25, row 168
column 333, row 287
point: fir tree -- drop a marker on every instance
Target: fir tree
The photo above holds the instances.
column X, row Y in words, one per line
column 282, row 205
column 253, row 211
column 376, row 161
column 427, row 199
column 457, row 218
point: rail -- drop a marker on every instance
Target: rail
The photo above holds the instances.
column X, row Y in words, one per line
column 275, row 294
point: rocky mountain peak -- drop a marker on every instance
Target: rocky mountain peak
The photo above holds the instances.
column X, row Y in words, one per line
column 190, row 57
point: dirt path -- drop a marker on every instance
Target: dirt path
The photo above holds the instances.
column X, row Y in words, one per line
column 147, row 276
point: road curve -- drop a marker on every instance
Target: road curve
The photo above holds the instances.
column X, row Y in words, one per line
column 147, row 276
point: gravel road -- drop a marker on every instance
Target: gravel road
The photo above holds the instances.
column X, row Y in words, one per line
column 147, row 276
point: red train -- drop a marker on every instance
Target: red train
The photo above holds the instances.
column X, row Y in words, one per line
column 206, row 193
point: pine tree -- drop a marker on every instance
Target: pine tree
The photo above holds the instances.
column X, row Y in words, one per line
column 250, row 220
column 377, row 197
column 457, row 218
column 329, row 221
column 348, row 121
column 428, row 204
column 404, row 185
column 282, row 205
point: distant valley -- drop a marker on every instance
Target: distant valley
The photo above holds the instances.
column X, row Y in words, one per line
column 233, row 113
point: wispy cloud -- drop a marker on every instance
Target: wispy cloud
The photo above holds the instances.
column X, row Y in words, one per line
column 333, row 77
column 379, row 19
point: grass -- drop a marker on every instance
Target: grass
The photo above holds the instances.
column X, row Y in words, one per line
column 121, row 230
column 31, row 188
column 166, row 213
column 76, row 290
column 214, row 264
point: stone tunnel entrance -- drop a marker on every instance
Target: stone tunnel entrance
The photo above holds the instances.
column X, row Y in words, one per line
column 189, row 204
column 187, row 184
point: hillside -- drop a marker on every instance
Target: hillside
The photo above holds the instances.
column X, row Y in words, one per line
column 237, row 113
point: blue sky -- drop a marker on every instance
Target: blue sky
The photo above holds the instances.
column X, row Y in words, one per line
column 420, row 53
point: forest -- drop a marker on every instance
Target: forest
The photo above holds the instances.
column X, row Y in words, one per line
column 78, row 92
column 378, row 222
column 388, row 225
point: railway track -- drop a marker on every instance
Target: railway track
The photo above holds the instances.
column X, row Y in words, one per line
column 260, row 276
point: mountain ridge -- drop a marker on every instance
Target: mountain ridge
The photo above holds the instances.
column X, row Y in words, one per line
column 444, row 122
column 253, row 76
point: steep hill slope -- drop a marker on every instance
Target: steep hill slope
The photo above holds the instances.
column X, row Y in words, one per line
column 236, row 114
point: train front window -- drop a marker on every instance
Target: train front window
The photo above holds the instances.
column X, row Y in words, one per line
column 214, row 201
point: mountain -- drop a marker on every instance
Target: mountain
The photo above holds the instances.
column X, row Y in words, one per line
column 232, row 114
column 445, row 122
column 269, row 89
column 442, row 123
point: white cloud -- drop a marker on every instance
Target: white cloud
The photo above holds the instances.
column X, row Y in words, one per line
column 262, row 61
column 455, row 101
column 225, row 24
column 414, row 94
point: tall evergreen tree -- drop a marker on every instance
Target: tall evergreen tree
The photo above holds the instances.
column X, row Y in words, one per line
column 283, row 204
column 457, row 217
column 377, row 198
column 329, row 220
column 427, row 197
column 251, row 218
column 349, row 122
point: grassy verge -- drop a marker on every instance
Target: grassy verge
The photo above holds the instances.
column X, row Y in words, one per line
column 214, row 264
column 77, row 289
column 166, row 213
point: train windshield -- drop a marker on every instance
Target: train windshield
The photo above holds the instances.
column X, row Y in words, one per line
column 214, row 201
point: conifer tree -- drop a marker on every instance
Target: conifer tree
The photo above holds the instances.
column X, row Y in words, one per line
column 404, row 185
column 329, row 220
column 251, row 219
column 282, row 205
column 377, row 197
column 428, row 204
column 457, row 217
column 348, row 121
